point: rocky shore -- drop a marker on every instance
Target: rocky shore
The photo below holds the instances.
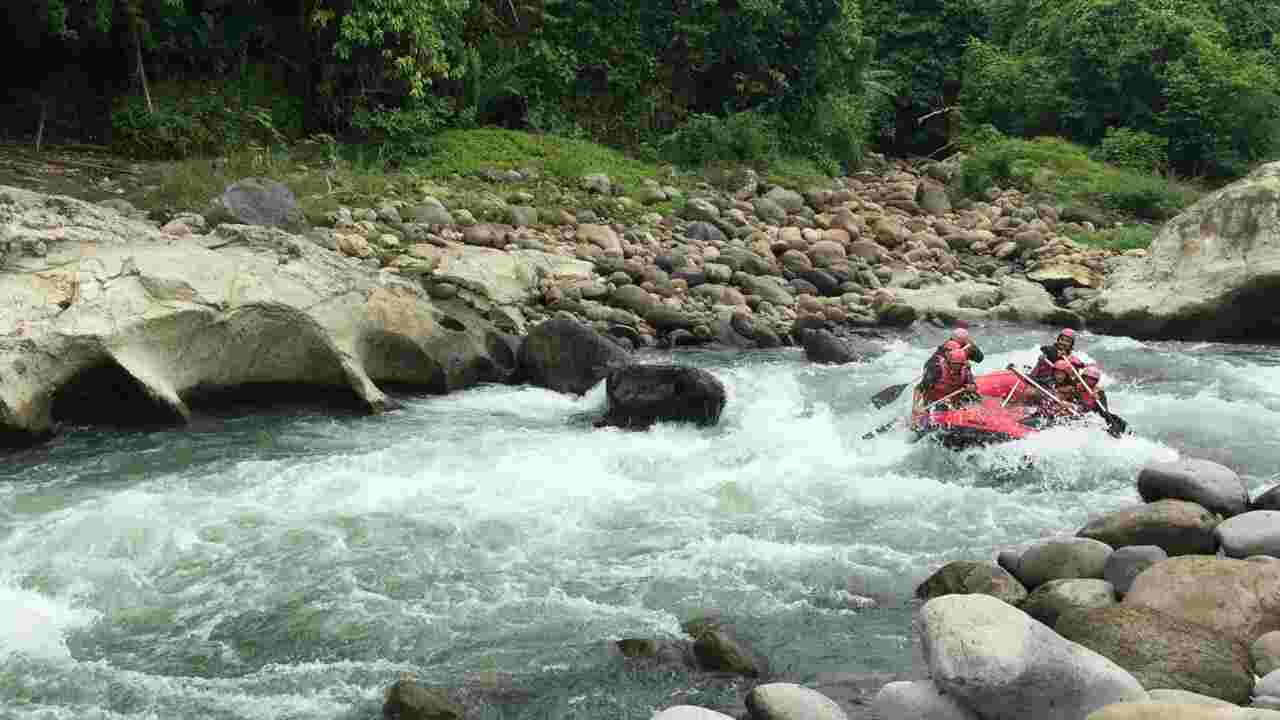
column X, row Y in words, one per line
column 104, row 308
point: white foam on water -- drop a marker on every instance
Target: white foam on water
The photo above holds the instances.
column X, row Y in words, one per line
column 498, row 522
column 34, row 625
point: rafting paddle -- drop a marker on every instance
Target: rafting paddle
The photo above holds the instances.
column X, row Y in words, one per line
column 889, row 425
column 891, row 393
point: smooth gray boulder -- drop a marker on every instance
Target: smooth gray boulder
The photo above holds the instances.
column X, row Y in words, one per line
column 1177, row 526
column 1212, row 272
column 1179, row 711
column 788, row 701
column 918, row 700
column 690, row 712
column 1206, row 483
column 114, row 303
column 1240, row 599
column 1056, row 598
column 1127, row 563
column 257, row 201
column 1253, row 533
column 991, row 655
column 1062, row 558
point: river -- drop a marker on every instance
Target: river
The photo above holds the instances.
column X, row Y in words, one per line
column 292, row 564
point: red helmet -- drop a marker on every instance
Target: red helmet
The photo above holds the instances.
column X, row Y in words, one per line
column 1092, row 374
column 1076, row 361
column 957, row 356
column 1068, row 332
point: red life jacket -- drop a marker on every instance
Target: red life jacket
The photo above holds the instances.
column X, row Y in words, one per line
column 951, row 379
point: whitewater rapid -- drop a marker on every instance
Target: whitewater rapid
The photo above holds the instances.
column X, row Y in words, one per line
column 292, row 564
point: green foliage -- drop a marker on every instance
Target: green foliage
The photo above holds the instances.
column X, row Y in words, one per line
column 1125, row 237
column 919, row 45
column 206, row 119
column 1134, row 149
column 1191, row 71
column 467, row 152
column 417, row 39
column 1065, row 172
column 749, row 138
column 404, row 132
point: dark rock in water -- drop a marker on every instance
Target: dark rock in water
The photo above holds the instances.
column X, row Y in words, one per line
column 407, row 700
column 718, row 649
column 807, row 323
column 759, row 333
column 627, row 333
column 970, row 577
column 504, row 354
column 1008, row 559
column 257, row 201
column 667, row 655
column 821, row 346
column 640, row 395
column 566, row 356
column 682, row 338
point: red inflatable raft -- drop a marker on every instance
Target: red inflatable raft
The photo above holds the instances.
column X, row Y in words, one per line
column 980, row 423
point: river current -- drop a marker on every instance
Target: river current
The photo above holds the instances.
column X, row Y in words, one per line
column 292, row 564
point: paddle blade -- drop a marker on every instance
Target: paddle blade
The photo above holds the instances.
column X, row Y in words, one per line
column 888, row 395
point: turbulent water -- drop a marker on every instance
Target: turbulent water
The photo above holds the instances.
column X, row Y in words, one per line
column 292, row 565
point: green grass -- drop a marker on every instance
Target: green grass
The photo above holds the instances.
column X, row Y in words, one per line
column 466, row 152
column 1125, row 237
column 324, row 178
column 1065, row 172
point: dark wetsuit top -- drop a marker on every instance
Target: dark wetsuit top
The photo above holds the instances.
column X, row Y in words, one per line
column 1043, row 371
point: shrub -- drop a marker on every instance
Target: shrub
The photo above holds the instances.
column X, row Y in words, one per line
column 1125, row 237
column 1065, row 172
column 1134, row 149
column 747, row 137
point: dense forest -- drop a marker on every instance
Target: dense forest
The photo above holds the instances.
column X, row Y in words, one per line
column 1189, row 86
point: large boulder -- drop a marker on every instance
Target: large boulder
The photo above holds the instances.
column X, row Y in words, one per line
column 101, row 308
column 1062, row 558
column 1204, row 482
column 1253, row 533
column 407, row 700
column 690, row 712
column 967, row 576
column 1014, row 299
column 1163, row 651
column 1178, row 527
column 1212, row 272
column 917, row 700
column 564, row 355
column 1056, row 598
column 257, row 201
column 1180, row 711
column 823, row 347
column 1238, row 598
column 788, row 701
column 640, row 395
column 995, row 658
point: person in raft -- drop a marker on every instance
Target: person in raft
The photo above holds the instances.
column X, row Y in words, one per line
column 1065, row 401
column 1093, row 399
column 960, row 338
column 947, row 375
column 1043, row 372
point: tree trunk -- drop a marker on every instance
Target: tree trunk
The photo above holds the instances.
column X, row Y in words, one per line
column 142, row 70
